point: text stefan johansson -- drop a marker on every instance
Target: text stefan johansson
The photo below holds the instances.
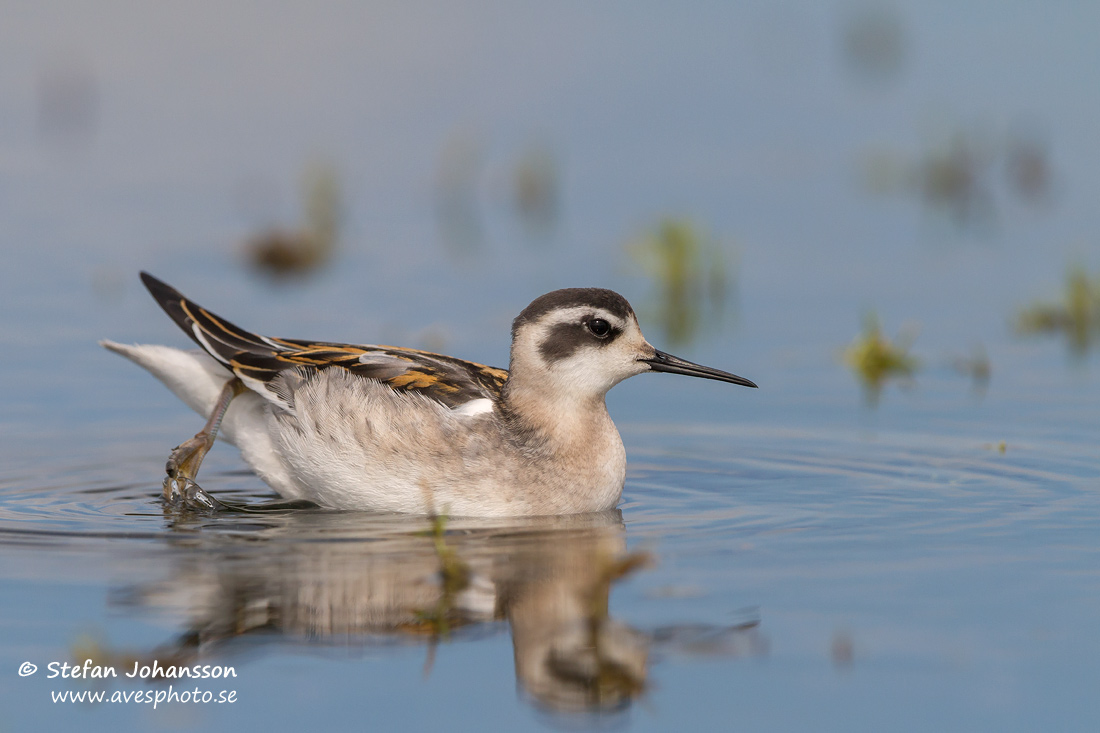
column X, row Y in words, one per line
column 140, row 671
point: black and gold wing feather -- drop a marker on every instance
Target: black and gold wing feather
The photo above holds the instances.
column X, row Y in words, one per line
column 258, row 360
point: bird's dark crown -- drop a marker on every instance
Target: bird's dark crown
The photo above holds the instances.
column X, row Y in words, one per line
column 608, row 300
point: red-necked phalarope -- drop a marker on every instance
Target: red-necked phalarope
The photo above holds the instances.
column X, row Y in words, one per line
column 391, row 429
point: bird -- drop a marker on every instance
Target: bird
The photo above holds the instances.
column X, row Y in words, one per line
column 390, row 429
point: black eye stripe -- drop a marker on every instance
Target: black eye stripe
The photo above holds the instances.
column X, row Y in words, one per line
column 564, row 339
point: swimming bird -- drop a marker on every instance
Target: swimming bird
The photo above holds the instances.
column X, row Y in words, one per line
column 392, row 429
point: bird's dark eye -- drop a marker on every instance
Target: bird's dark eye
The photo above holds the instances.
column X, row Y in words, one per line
column 599, row 327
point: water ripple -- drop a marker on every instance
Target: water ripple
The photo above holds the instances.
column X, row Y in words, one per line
column 702, row 480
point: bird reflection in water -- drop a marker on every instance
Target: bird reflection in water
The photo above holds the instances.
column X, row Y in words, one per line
column 327, row 579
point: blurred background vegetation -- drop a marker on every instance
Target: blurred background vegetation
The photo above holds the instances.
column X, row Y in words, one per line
column 753, row 178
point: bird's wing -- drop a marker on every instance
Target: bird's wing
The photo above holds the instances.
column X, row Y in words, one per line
column 259, row 360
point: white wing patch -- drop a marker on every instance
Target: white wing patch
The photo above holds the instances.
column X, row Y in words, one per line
column 201, row 338
column 376, row 359
column 474, row 407
column 384, row 366
column 272, row 344
column 267, row 391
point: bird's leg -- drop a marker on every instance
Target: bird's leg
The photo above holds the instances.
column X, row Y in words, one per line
column 183, row 465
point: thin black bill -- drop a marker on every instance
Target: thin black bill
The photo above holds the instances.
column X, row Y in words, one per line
column 662, row 362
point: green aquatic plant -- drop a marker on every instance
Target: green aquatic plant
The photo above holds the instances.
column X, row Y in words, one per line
column 874, row 43
column 875, row 359
column 457, row 208
column 955, row 178
column 454, row 577
column 691, row 273
column 968, row 175
column 1077, row 316
column 282, row 253
column 976, row 366
column 536, row 190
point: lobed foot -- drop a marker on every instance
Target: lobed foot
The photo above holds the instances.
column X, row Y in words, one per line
column 180, row 489
column 182, row 492
column 187, row 457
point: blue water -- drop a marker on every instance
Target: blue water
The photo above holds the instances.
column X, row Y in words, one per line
column 794, row 557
